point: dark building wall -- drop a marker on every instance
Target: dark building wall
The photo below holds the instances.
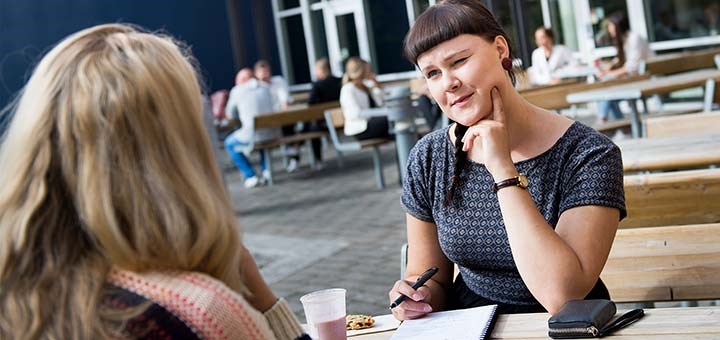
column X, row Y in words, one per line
column 28, row 28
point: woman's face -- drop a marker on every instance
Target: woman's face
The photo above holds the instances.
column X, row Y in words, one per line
column 611, row 29
column 460, row 73
column 542, row 40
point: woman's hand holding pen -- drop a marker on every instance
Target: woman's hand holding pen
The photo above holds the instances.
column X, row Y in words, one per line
column 416, row 305
column 489, row 136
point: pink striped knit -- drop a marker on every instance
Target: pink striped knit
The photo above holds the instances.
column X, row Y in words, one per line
column 206, row 305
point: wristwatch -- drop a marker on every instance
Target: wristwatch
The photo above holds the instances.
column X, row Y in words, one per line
column 520, row 180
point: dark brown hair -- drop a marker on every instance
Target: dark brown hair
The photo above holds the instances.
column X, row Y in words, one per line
column 548, row 32
column 622, row 26
column 443, row 22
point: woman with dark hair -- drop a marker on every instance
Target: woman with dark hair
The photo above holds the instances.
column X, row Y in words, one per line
column 632, row 49
column 525, row 247
column 548, row 58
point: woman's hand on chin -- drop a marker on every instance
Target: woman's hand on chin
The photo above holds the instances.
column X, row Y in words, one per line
column 490, row 136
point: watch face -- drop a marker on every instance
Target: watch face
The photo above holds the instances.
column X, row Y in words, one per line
column 524, row 182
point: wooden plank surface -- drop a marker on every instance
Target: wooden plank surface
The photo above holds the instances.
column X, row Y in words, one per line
column 555, row 97
column 294, row 114
column 683, row 125
column 664, row 263
column 681, row 62
column 658, row 323
column 645, row 88
column 672, row 198
column 670, row 153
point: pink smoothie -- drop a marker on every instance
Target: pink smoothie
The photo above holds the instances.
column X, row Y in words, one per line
column 332, row 330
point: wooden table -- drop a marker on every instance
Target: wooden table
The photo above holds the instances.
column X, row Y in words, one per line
column 639, row 90
column 658, row 323
column 294, row 114
column 670, row 153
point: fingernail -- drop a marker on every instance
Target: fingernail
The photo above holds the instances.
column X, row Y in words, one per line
column 417, row 297
column 428, row 308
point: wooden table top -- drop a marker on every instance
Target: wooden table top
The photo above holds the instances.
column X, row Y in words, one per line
column 644, row 88
column 670, row 153
column 294, row 114
column 658, row 323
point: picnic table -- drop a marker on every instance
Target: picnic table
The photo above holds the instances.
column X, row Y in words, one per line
column 658, row 323
column 639, row 90
column 670, row 153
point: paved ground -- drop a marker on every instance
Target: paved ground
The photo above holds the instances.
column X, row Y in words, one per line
column 323, row 229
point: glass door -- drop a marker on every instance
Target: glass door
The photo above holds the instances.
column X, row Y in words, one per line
column 347, row 34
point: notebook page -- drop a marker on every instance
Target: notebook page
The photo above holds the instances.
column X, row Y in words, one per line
column 464, row 324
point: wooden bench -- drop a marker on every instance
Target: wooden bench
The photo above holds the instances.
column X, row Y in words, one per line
column 682, row 125
column 681, row 62
column 554, row 98
column 672, row 198
column 667, row 263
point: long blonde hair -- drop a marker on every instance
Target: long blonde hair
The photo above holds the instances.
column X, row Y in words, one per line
column 106, row 163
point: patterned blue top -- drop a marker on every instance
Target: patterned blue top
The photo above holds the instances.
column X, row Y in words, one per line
column 584, row 167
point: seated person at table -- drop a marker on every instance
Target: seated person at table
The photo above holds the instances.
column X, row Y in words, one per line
column 114, row 222
column 632, row 49
column 526, row 248
column 326, row 88
column 548, row 58
column 356, row 96
column 247, row 99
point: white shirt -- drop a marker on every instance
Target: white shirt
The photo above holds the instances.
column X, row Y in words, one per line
column 542, row 69
column 636, row 49
column 353, row 101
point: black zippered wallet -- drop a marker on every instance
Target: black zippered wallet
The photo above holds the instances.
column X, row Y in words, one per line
column 589, row 319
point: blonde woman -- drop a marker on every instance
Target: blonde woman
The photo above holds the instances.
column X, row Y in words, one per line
column 114, row 222
column 356, row 96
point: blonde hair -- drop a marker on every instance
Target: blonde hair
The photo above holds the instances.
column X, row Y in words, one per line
column 355, row 68
column 106, row 163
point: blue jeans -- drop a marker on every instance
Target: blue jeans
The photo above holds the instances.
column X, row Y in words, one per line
column 239, row 158
column 609, row 106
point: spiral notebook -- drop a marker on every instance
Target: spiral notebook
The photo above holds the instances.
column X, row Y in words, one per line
column 464, row 324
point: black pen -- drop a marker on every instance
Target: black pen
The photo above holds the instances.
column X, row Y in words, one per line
column 418, row 283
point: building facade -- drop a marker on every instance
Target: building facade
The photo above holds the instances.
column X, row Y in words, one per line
column 307, row 30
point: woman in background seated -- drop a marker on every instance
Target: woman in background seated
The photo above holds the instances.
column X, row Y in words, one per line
column 356, row 96
column 632, row 49
column 114, row 222
column 548, row 58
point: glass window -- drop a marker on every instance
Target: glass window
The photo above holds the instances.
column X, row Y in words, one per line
column 288, row 4
column 600, row 10
column 532, row 10
column 389, row 24
column 295, row 50
column 678, row 19
column 420, row 6
column 319, row 36
column 562, row 18
column 347, row 36
column 502, row 12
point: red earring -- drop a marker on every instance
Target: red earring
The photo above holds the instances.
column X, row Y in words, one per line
column 506, row 63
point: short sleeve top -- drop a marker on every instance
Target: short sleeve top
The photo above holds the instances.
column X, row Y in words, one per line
column 582, row 168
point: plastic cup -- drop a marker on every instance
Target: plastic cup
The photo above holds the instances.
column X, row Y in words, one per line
column 325, row 314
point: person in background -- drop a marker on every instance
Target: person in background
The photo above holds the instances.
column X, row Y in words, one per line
column 525, row 201
column 548, row 58
column 281, row 95
column 326, row 88
column 356, row 96
column 114, row 221
column 249, row 98
column 632, row 49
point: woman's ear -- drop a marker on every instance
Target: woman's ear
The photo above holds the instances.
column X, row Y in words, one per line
column 502, row 47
